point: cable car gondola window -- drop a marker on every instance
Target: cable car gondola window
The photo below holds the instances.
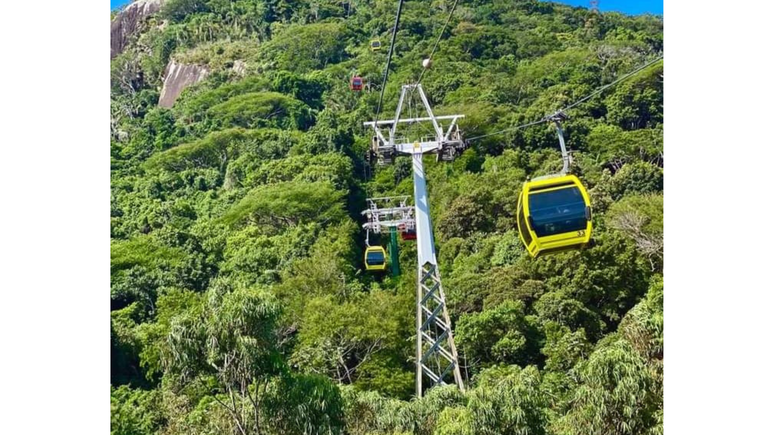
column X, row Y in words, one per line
column 557, row 211
column 374, row 259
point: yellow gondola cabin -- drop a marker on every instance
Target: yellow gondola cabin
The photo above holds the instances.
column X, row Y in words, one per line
column 554, row 214
column 375, row 258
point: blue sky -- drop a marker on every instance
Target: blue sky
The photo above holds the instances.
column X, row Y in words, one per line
column 626, row 6
column 116, row 3
column 631, row 7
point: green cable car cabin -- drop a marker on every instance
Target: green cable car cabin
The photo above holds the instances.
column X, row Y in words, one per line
column 375, row 258
column 554, row 215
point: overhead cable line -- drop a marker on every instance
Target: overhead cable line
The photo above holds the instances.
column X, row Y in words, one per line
column 596, row 92
column 539, row 121
column 389, row 60
column 437, row 41
column 614, row 82
column 435, row 46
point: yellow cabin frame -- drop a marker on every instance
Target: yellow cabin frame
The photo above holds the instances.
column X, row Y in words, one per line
column 537, row 245
column 372, row 265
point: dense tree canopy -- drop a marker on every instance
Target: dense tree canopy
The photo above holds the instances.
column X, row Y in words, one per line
column 239, row 302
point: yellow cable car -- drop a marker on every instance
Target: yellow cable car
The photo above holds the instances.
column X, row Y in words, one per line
column 554, row 211
column 376, row 45
column 554, row 215
column 375, row 258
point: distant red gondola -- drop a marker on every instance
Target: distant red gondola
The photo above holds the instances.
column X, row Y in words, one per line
column 356, row 84
column 407, row 234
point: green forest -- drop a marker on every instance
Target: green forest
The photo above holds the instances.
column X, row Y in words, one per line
column 239, row 299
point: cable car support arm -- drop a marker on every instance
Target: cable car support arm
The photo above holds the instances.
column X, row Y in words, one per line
column 557, row 119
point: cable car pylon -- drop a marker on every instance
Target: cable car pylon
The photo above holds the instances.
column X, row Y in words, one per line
column 436, row 353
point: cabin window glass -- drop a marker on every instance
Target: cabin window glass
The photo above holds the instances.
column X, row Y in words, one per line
column 374, row 258
column 523, row 229
column 557, row 211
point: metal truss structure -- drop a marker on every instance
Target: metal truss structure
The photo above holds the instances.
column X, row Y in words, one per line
column 387, row 214
column 445, row 144
column 436, row 354
column 393, row 215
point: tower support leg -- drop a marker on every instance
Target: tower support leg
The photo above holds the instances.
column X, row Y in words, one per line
column 394, row 256
column 436, row 355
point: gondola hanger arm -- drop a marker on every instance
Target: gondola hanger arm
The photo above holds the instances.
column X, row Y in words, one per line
column 557, row 119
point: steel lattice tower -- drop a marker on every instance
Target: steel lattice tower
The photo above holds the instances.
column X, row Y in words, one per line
column 436, row 354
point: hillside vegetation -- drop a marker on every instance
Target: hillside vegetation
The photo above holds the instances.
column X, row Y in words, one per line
column 239, row 303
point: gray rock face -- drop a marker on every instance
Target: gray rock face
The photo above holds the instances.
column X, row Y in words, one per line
column 239, row 67
column 177, row 77
column 128, row 21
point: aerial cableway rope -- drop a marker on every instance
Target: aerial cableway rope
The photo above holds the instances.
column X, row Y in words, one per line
column 596, row 92
column 432, row 52
column 389, row 60
column 437, row 41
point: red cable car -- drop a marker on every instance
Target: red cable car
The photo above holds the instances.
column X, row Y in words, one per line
column 407, row 234
column 356, row 84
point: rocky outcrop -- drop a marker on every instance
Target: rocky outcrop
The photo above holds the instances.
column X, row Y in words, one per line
column 239, row 68
column 126, row 23
column 177, row 77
